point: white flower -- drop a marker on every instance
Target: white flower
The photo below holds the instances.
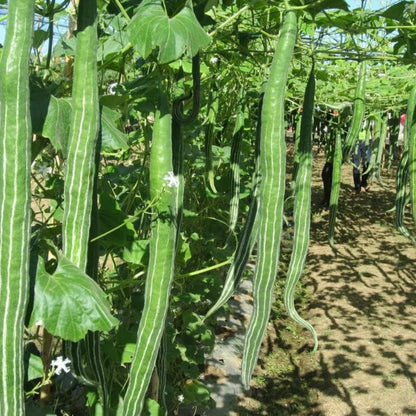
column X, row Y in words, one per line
column 213, row 60
column 112, row 88
column 171, row 179
column 181, row 398
column 44, row 170
column 61, row 365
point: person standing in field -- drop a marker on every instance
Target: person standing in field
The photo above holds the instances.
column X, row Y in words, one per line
column 400, row 139
column 360, row 160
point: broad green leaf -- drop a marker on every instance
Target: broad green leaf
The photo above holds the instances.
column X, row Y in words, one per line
column 35, row 369
column 64, row 47
column 196, row 392
column 56, row 127
column 68, row 303
column 39, row 36
column 137, row 252
column 128, row 352
column 152, row 408
column 112, row 137
column 396, row 11
column 116, row 231
column 151, row 27
column 39, row 102
column 113, row 44
column 336, row 18
column 319, row 6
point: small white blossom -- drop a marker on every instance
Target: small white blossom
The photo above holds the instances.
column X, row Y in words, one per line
column 112, row 88
column 213, row 60
column 181, row 398
column 61, row 365
column 44, row 170
column 171, row 179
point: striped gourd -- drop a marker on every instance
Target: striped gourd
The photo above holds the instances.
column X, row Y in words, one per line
column 380, row 151
column 411, row 145
column 302, row 207
column 271, row 196
column 248, row 235
column 374, row 146
column 209, row 140
column 161, row 262
column 357, row 114
column 177, row 110
column 335, row 187
column 402, row 177
column 80, row 169
column 394, row 135
column 177, row 168
column 83, row 135
column 15, row 139
column 178, row 120
column 296, row 149
column 235, row 166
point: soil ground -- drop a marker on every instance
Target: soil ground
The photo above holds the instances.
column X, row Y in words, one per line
column 362, row 301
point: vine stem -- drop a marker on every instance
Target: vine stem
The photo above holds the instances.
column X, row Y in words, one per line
column 122, row 10
column 229, row 20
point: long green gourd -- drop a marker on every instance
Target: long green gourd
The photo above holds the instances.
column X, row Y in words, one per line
column 335, row 187
column 302, row 208
column 402, row 177
column 411, row 144
column 178, row 119
column 248, row 235
column 79, row 178
column 15, row 139
column 380, row 151
column 80, row 170
column 357, row 114
column 296, row 149
column 235, row 164
column 272, row 190
column 209, row 140
column 161, row 263
column 375, row 147
column 406, row 169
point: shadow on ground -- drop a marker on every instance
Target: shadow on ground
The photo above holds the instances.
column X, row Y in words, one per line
column 362, row 302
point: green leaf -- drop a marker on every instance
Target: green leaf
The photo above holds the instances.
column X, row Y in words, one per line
column 151, row 27
column 69, row 303
column 112, row 223
column 64, row 47
column 396, row 11
column 196, row 392
column 112, row 137
column 319, row 6
column 35, row 369
column 137, row 252
column 128, row 352
column 56, row 127
column 152, row 408
column 39, row 102
column 39, row 36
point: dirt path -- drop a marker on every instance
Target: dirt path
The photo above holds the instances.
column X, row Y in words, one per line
column 363, row 306
column 362, row 302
